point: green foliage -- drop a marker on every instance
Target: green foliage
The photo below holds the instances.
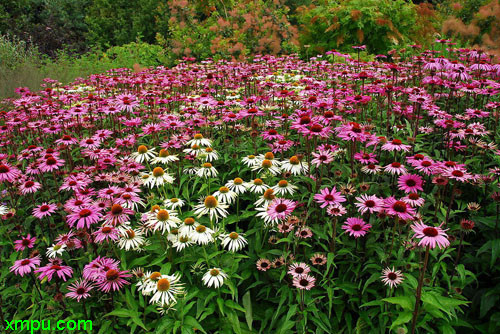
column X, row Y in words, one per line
column 380, row 25
column 117, row 22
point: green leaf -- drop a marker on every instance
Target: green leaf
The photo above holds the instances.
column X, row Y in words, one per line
column 220, row 302
column 406, row 302
column 403, row 318
column 247, row 304
column 189, row 320
column 234, row 305
column 235, row 323
column 495, row 251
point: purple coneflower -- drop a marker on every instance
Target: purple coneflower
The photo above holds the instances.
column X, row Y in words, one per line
column 280, row 208
column 410, row 183
column 430, row 236
column 25, row 266
column 298, row 268
column 356, row 227
column 79, row 289
column 304, row 282
column 46, row 209
column 328, row 197
column 391, row 277
column 25, row 242
column 112, row 279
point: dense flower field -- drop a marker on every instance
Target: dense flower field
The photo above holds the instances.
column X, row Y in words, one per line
column 275, row 196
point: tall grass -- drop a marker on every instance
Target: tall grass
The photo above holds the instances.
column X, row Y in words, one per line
column 21, row 65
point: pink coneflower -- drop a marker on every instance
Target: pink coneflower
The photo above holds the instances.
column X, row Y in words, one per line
column 368, row 203
column 84, row 217
column 466, row 225
column 430, row 236
column 46, row 209
column 113, row 279
column 280, row 208
column 98, row 267
column 126, row 102
column 318, row 259
column 304, row 233
column 54, row 267
column 328, row 197
column 8, row 173
column 25, row 266
column 79, row 289
column 356, row 227
column 106, row 233
column 371, row 169
column 414, row 200
column 457, row 173
column 50, row 164
column 271, row 134
column 118, row 215
column 285, row 227
column 25, row 242
column 29, row 187
column 410, row 183
column 76, row 204
column 322, row 157
column 365, row 158
column 395, row 145
column 391, row 277
column 426, row 166
column 263, row 264
column 395, row 168
column 66, row 140
column 298, row 268
column 336, row 210
column 304, row 282
column 398, row 208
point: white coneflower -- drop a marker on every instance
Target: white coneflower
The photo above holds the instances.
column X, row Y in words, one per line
column 174, row 203
column 225, row 195
column 199, row 140
column 209, row 154
column 237, row 185
column 295, row 166
column 158, row 177
column 148, row 281
column 182, row 242
column 214, row 277
column 162, row 220
column 164, row 157
column 194, row 150
column 233, row 241
column 271, row 166
column 55, row 250
column 164, row 309
column 166, row 289
column 266, row 198
column 190, row 170
column 257, row 186
column 202, row 235
column 284, row 187
column 143, row 154
column 250, row 161
column 172, row 236
column 3, row 210
column 210, row 205
column 131, row 239
column 207, row 170
column 188, row 226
